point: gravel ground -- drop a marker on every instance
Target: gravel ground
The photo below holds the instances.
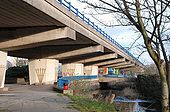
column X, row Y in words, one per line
column 26, row 98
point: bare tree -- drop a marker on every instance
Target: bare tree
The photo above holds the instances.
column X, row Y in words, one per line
column 21, row 61
column 151, row 18
column 151, row 70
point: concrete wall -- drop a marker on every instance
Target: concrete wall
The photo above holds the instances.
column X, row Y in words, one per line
column 91, row 70
column 3, row 62
column 73, row 69
column 43, row 71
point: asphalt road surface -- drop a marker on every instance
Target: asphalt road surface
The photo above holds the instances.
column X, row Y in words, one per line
column 26, row 98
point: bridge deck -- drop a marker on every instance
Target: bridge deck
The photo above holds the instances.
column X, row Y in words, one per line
column 44, row 15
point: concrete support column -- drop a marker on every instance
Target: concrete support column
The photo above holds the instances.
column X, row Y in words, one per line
column 73, row 69
column 43, row 71
column 91, row 70
column 3, row 62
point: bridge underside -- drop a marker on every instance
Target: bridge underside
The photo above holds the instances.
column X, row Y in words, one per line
column 43, row 29
column 17, row 13
column 23, row 20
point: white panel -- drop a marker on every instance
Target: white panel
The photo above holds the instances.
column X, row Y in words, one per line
column 3, row 62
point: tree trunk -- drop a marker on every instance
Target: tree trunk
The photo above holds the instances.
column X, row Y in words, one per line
column 168, row 73
column 165, row 90
column 168, row 77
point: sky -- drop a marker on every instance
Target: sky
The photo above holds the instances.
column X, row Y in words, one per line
column 123, row 35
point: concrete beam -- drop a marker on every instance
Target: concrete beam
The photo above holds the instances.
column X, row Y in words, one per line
column 136, row 69
column 82, row 51
column 54, row 9
column 110, row 62
column 118, row 64
column 125, row 66
column 47, row 51
column 99, row 58
column 54, row 34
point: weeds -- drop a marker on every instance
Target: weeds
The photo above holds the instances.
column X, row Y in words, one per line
column 88, row 105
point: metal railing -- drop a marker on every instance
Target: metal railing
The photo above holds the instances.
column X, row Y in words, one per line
column 93, row 25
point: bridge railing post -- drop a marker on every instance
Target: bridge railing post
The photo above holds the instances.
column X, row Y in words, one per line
column 77, row 12
column 61, row 2
column 112, row 40
column 100, row 31
column 93, row 25
column 104, row 33
column 88, row 21
column 69, row 7
column 83, row 17
column 97, row 28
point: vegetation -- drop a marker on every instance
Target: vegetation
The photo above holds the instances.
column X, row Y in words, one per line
column 84, row 88
column 151, row 70
column 18, row 72
column 89, row 105
column 150, row 19
column 149, row 87
column 90, row 90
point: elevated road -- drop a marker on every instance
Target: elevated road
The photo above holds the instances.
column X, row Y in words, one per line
column 53, row 29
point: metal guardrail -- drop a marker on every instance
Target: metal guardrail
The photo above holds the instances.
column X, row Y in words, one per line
column 92, row 24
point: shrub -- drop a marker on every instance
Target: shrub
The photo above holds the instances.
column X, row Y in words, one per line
column 129, row 93
column 149, row 86
column 88, row 105
column 18, row 72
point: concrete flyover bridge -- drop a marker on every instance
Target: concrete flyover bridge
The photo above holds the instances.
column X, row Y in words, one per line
column 51, row 31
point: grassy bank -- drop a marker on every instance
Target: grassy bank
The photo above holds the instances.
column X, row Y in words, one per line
column 89, row 105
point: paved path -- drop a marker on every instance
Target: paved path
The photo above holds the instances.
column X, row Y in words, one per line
column 25, row 98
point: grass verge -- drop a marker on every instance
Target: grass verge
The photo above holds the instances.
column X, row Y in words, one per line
column 89, row 105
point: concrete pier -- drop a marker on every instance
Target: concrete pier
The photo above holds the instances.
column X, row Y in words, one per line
column 73, row 69
column 43, row 71
column 91, row 70
column 3, row 62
